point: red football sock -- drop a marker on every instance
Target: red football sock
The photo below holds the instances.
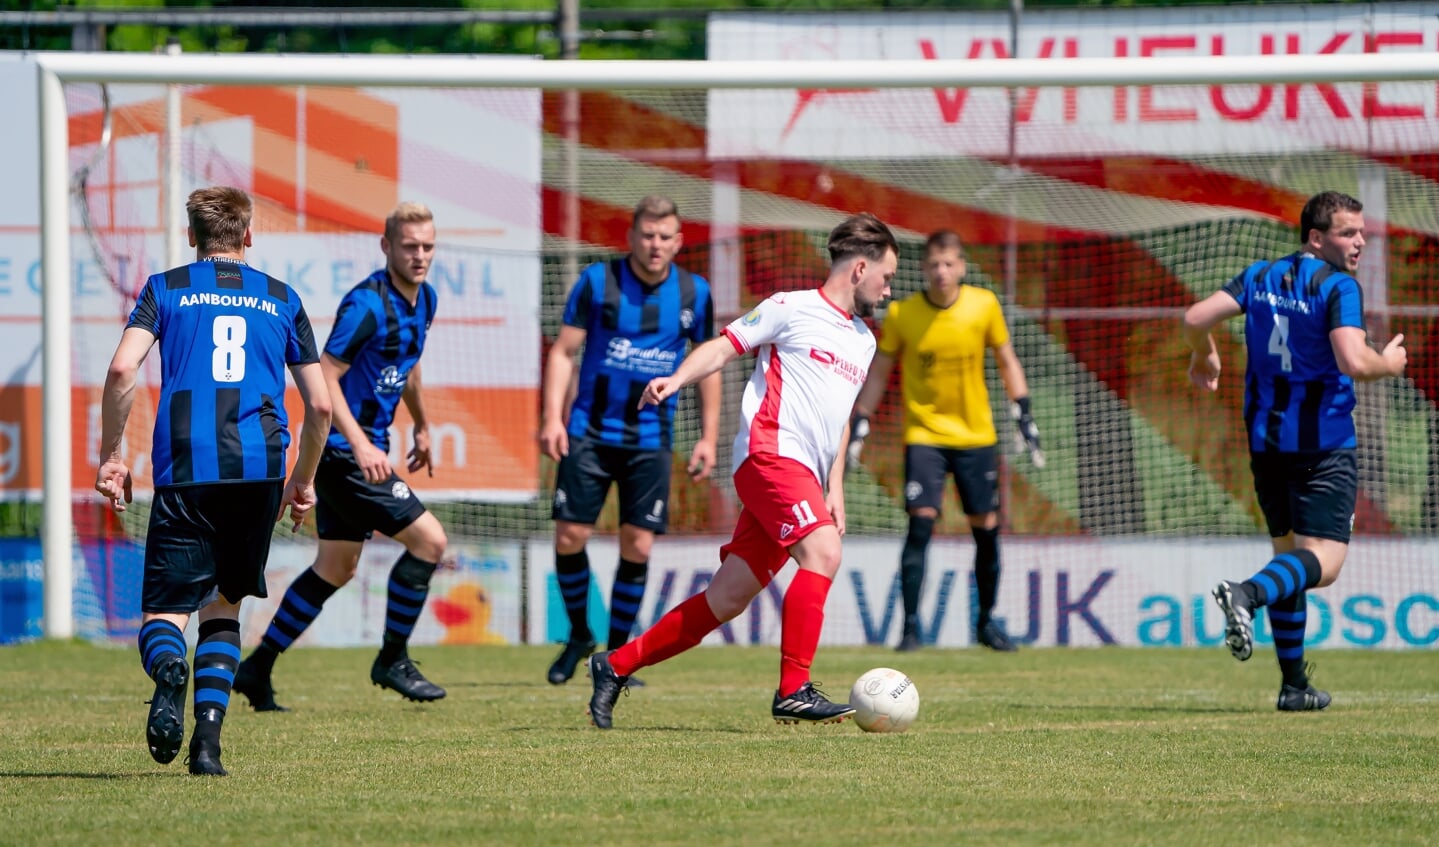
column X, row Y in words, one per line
column 802, row 620
column 681, row 628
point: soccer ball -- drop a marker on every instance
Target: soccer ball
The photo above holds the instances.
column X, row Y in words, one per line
column 884, row 700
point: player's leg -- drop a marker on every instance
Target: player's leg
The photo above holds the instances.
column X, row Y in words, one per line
column 748, row 563
column 924, row 470
column 644, row 491
column 178, row 577
column 243, row 516
column 1317, row 491
column 976, row 478
column 339, row 484
column 582, row 480
column 217, row 655
column 408, row 522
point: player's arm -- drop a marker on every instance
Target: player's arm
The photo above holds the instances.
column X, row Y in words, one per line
column 1199, row 319
column 373, row 461
column 299, row 494
column 702, row 458
column 1016, row 388
column 708, row 358
column 556, row 398
column 113, row 477
column 1360, row 361
column 420, row 456
column 874, row 385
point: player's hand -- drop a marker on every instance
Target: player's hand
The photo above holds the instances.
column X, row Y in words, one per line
column 299, row 498
column 374, row 463
column 1204, row 370
column 858, row 432
column 420, row 453
column 113, row 481
column 554, row 440
column 659, row 390
column 1026, row 431
column 834, row 501
column 702, row 460
column 1395, row 356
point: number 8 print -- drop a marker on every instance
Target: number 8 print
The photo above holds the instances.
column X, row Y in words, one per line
column 228, row 362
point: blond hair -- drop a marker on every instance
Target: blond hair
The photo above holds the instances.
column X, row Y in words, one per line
column 219, row 217
column 407, row 212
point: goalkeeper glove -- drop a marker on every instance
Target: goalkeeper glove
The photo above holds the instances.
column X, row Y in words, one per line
column 1026, row 432
column 858, row 432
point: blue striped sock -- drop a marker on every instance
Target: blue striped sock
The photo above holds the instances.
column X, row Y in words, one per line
column 159, row 639
column 298, row 609
column 625, row 599
column 217, row 654
column 408, row 588
column 1287, row 618
column 572, row 571
column 1286, row 575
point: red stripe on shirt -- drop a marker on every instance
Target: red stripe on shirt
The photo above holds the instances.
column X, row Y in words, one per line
column 764, row 429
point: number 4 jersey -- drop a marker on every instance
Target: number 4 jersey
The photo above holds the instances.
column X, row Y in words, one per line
column 812, row 359
column 226, row 332
column 1296, row 399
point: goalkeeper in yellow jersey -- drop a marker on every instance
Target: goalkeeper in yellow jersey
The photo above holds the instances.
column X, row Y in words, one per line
column 939, row 336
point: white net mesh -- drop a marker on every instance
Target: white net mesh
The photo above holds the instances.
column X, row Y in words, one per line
column 1094, row 241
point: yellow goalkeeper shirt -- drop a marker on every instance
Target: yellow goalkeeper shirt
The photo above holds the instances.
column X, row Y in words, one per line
column 941, row 357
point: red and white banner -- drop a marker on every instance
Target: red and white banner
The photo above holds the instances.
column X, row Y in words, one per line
column 1168, row 120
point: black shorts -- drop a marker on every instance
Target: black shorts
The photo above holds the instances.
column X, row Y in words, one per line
column 207, row 541
column 1309, row 494
column 583, row 480
column 352, row 509
column 976, row 477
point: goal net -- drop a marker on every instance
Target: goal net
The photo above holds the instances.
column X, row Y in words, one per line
column 1095, row 236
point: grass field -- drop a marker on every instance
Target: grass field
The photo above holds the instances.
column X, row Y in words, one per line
column 1051, row 746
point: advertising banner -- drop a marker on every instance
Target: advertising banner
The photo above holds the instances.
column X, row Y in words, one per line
column 324, row 166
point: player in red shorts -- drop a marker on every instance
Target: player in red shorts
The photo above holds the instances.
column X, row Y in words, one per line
column 813, row 350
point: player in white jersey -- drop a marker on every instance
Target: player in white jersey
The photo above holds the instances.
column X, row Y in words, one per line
column 813, row 352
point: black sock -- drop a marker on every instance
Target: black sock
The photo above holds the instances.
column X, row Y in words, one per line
column 986, row 571
column 911, row 568
column 1287, row 574
column 573, row 572
column 405, row 599
column 217, row 654
column 299, row 607
column 625, row 599
column 1287, row 618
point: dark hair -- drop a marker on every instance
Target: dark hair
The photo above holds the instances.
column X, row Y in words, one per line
column 1319, row 212
column 654, row 206
column 219, row 217
column 861, row 235
column 943, row 239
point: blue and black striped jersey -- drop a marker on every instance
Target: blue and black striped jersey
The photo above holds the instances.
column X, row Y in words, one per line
column 1296, row 398
column 634, row 333
column 380, row 336
column 226, row 333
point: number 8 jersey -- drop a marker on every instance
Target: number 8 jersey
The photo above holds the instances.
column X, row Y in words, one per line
column 226, row 333
column 1296, row 399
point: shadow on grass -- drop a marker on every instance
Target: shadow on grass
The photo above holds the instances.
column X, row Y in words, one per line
column 63, row 775
column 1119, row 711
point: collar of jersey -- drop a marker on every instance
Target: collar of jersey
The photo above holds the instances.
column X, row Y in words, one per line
column 225, row 259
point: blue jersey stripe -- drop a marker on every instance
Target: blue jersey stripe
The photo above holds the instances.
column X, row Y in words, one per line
column 633, row 333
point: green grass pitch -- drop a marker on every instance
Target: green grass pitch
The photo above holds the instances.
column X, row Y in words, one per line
column 1049, row 746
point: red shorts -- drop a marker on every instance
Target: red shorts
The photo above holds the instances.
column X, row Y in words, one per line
column 783, row 502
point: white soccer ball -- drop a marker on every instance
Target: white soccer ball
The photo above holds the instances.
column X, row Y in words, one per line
column 884, row 700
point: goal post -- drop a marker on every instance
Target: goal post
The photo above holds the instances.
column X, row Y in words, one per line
column 55, row 70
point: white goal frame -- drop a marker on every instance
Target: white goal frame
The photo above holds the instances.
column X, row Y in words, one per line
column 56, row 69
